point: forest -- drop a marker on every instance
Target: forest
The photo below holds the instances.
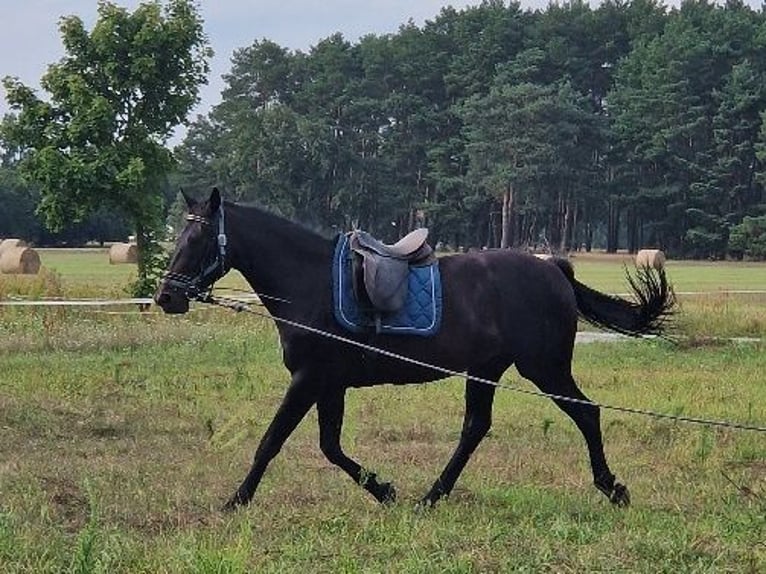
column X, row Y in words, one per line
column 623, row 126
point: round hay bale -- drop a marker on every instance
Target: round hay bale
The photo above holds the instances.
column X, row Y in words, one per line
column 20, row 260
column 654, row 258
column 123, row 253
column 10, row 243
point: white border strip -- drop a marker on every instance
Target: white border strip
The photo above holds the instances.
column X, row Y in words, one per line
column 77, row 303
column 96, row 302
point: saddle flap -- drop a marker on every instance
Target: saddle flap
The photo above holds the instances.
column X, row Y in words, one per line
column 385, row 280
column 385, row 268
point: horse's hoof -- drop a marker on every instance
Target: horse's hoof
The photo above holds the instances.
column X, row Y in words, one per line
column 620, row 495
column 234, row 503
column 430, row 499
column 387, row 494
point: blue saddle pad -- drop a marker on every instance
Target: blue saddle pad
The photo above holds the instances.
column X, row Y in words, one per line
column 420, row 315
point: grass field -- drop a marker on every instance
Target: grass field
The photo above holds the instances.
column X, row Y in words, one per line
column 122, row 433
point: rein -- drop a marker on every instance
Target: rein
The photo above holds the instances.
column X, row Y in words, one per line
column 199, row 287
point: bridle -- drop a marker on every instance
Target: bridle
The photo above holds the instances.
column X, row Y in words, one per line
column 200, row 286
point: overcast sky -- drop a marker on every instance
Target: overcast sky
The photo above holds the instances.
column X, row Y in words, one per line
column 30, row 40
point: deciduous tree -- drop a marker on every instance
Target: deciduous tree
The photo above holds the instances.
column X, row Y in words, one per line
column 114, row 99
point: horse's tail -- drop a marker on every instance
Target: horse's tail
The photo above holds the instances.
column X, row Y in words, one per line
column 647, row 314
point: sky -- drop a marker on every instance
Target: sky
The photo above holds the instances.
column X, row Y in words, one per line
column 30, row 40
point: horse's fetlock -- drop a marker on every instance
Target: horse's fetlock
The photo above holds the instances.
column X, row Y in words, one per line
column 605, row 482
column 366, row 478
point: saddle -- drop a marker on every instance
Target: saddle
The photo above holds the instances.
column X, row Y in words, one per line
column 381, row 271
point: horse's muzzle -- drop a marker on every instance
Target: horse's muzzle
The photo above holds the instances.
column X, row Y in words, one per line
column 171, row 300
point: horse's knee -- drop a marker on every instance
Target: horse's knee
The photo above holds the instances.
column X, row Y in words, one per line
column 476, row 429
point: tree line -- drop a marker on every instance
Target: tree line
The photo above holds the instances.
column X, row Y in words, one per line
column 623, row 126
column 617, row 127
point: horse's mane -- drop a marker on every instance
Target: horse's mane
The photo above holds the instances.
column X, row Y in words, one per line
column 298, row 231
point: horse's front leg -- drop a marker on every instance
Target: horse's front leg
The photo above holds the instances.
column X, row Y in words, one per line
column 300, row 397
column 330, row 408
column 476, row 424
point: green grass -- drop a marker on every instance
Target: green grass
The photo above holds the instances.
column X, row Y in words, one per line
column 121, row 435
column 88, row 272
column 607, row 273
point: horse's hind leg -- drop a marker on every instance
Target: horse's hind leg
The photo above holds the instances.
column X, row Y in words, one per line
column 330, row 409
column 476, row 424
column 587, row 418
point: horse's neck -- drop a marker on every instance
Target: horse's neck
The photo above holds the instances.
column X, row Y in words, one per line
column 279, row 259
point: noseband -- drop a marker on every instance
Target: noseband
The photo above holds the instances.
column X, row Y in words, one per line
column 199, row 287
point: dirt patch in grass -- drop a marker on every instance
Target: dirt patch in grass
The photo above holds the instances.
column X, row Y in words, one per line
column 68, row 503
column 178, row 519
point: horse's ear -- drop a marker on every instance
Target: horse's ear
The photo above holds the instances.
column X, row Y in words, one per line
column 190, row 201
column 215, row 200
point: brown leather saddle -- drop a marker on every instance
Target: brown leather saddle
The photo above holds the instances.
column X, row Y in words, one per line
column 381, row 270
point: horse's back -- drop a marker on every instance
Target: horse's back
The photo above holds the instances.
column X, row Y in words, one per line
column 511, row 297
column 500, row 273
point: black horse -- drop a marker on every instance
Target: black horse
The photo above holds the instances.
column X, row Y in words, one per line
column 500, row 308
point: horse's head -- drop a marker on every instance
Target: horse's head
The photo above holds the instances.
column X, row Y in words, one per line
column 200, row 256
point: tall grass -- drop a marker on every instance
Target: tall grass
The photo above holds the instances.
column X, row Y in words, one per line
column 46, row 283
